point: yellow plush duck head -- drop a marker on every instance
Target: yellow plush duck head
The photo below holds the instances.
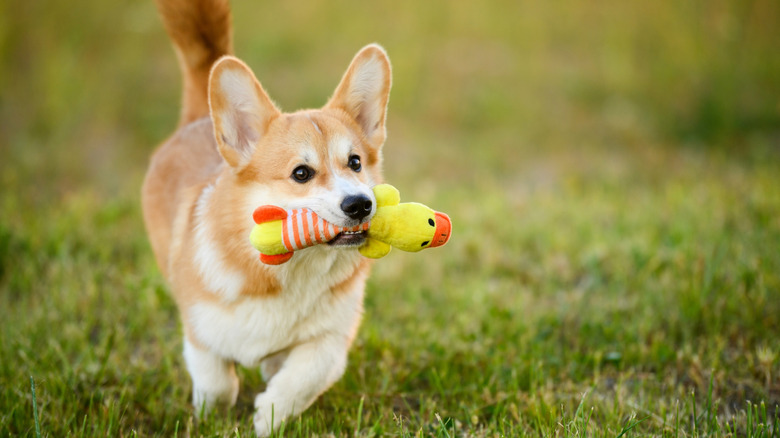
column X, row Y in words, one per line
column 409, row 226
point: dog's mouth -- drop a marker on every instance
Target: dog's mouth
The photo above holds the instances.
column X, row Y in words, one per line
column 348, row 238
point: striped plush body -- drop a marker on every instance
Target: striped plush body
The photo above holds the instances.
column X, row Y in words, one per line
column 279, row 232
column 304, row 228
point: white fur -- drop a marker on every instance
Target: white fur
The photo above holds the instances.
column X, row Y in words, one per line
column 258, row 327
column 309, row 156
column 303, row 334
column 310, row 369
column 214, row 379
column 218, row 278
column 316, row 126
column 238, row 127
column 239, row 89
column 369, row 77
column 340, row 148
column 366, row 90
column 321, row 328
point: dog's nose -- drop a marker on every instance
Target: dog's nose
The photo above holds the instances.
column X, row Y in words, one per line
column 356, row 207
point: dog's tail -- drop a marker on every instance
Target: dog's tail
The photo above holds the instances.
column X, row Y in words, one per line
column 201, row 33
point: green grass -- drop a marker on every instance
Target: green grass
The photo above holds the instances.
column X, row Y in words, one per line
column 612, row 172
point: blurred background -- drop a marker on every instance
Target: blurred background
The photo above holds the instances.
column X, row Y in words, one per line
column 89, row 91
column 612, row 170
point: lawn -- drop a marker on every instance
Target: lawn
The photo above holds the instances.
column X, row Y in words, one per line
column 612, row 171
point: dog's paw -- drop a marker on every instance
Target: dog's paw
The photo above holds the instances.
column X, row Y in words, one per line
column 266, row 421
column 269, row 414
column 262, row 424
column 204, row 399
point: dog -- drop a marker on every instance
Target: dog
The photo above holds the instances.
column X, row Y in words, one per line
column 233, row 151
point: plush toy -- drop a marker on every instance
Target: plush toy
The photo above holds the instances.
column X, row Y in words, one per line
column 409, row 226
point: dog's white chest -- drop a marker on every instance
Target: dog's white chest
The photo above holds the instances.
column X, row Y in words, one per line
column 253, row 328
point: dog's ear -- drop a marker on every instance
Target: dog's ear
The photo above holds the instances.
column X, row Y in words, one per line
column 364, row 91
column 240, row 110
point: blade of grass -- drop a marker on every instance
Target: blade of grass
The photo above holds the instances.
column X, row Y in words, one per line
column 631, row 426
column 708, row 406
column 35, row 409
column 359, row 415
column 443, row 426
column 693, row 407
column 677, row 419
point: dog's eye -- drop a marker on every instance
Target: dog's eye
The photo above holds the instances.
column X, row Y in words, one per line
column 354, row 163
column 302, row 174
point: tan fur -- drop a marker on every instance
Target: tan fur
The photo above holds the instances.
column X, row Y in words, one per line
column 201, row 32
column 203, row 183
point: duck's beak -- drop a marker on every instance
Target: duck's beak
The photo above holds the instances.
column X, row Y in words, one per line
column 443, row 230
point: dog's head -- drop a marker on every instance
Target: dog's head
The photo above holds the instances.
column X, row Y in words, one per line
column 326, row 159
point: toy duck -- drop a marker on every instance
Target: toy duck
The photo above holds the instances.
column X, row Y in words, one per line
column 407, row 226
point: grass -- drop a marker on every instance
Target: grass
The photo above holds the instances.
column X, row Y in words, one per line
column 611, row 171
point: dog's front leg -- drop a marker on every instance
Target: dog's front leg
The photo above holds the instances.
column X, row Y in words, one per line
column 308, row 371
column 214, row 379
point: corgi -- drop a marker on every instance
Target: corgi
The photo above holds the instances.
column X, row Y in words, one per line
column 235, row 150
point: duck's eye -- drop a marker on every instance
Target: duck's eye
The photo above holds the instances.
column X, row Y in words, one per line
column 354, row 163
column 431, row 222
column 302, row 174
column 425, row 243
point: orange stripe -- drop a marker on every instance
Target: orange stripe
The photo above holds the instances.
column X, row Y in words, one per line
column 296, row 232
column 317, row 235
column 286, row 233
column 302, row 228
column 326, row 227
